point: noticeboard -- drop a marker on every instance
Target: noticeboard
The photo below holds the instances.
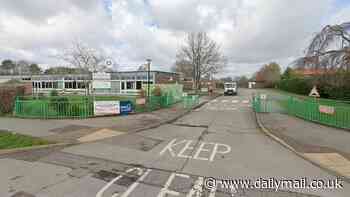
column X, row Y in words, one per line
column 106, row 108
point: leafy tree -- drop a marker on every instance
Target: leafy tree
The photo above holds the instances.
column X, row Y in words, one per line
column 242, row 81
column 34, row 69
column 8, row 65
column 288, row 73
column 227, row 79
column 270, row 74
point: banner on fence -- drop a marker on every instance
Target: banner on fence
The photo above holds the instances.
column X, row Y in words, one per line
column 326, row 109
column 106, row 108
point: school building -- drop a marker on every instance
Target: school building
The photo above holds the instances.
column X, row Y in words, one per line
column 112, row 83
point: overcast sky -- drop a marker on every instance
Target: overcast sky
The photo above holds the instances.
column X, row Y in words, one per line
column 251, row 32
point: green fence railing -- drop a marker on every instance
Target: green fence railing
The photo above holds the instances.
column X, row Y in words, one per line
column 83, row 106
column 336, row 114
column 329, row 114
column 57, row 108
column 190, row 101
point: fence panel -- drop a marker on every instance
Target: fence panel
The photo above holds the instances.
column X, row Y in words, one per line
column 330, row 114
column 56, row 107
column 83, row 106
column 324, row 112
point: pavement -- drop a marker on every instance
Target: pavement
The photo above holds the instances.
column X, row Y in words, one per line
column 327, row 146
column 83, row 130
column 192, row 156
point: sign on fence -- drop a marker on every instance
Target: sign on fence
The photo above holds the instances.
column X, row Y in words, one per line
column 263, row 96
column 106, row 108
column 141, row 101
column 326, row 109
column 314, row 92
column 125, row 107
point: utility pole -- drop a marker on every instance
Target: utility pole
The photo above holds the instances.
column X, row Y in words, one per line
column 148, row 79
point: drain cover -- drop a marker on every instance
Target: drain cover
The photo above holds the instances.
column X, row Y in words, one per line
column 125, row 180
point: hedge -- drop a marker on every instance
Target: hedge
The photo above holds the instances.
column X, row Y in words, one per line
column 8, row 96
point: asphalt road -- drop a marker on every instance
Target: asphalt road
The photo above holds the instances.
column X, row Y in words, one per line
column 219, row 140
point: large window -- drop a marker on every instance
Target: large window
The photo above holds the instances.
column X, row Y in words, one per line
column 130, row 85
column 138, row 85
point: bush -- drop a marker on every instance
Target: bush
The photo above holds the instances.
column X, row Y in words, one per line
column 334, row 86
column 296, row 85
column 157, row 91
column 60, row 104
column 8, row 96
column 54, row 93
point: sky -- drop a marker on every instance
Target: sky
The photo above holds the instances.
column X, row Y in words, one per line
column 251, row 32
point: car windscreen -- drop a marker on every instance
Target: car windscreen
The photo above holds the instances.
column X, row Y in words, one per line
column 230, row 85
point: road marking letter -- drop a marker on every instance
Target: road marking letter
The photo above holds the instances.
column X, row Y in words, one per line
column 189, row 146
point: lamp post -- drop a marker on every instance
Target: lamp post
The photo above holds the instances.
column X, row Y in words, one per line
column 148, row 78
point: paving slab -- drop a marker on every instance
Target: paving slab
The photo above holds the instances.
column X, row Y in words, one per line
column 28, row 177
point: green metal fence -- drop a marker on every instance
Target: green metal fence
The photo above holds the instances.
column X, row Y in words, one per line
column 330, row 113
column 55, row 107
column 190, row 101
column 83, row 106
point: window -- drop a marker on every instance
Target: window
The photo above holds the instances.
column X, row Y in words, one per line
column 130, row 85
column 123, row 85
column 139, row 85
column 81, row 85
column 68, row 85
column 55, row 84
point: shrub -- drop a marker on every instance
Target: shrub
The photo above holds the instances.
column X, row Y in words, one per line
column 8, row 96
column 157, row 91
column 296, row 85
column 54, row 93
column 60, row 104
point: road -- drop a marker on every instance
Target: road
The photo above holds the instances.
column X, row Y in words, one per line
column 219, row 140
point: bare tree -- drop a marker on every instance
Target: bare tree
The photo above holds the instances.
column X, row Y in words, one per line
column 329, row 49
column 203, row 54
column 86, row 59
column 184, row 67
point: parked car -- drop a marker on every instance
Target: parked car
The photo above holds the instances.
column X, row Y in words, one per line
column 230, row 88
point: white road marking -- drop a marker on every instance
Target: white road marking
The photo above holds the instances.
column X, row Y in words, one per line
column 215, row 151
column 224, row 101
column 197, row 189
column 165, row 190
column 245, row 101
column 135, row 184
column 189, row 145
column 170, row 146
column 235, row 101
column 100, row 193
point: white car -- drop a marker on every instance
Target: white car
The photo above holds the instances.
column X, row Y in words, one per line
column 230, row 88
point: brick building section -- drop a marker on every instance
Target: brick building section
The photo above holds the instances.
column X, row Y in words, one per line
column 166, row 78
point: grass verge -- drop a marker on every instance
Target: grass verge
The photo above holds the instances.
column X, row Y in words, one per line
column 10, row 140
